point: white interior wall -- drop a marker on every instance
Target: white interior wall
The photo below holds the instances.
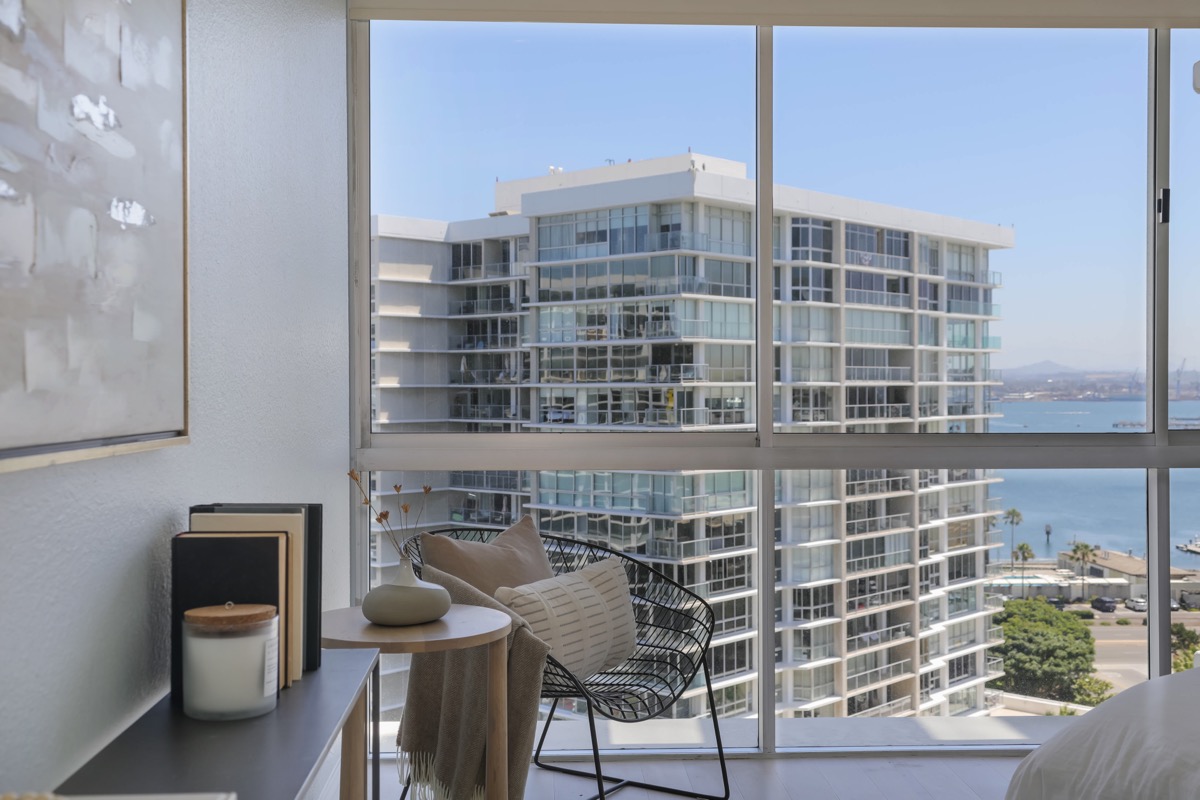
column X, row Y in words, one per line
column 84, row 554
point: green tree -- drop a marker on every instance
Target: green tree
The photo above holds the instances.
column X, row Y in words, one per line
column 1184, row 644
column 1013, row 518
column 1083, row 554
column 1045, row 651
column 1092, row 691
column 1023, row 553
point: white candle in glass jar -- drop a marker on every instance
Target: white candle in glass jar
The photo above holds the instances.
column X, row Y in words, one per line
column 230, row 661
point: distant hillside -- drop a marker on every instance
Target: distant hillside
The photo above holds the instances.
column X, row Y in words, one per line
column 1041, row 369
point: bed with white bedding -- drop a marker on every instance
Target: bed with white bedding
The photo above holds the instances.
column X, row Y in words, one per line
column 1143, row 744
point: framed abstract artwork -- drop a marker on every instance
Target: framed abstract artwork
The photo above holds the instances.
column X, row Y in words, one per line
column 93, row 229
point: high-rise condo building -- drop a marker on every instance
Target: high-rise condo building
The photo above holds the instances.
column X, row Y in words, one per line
column 622, row 298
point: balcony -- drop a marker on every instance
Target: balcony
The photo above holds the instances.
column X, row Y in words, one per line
column 887, row 374
column 496, row 411
column 804, row 655
column 684, row 373
column 809, row 694
column 496, row 481
column 995, row 667
column 959, row 641
column 973, row 307
column 994, row 602
column 868, row 297
column 995, row 634
column 888, row 709
column 488, row 341
column 500, row 269
column 486, row 377
column 857, row 681
column 493, row 305
column 867, row 639
column 858, row 527
column 813, row 414
column 862, row 258
column 881, row 561
column 869, row 602
column 983, row 277
column 676, row 240
column 812, row 374
column 466, row 513
column 677, row 328
column 877, row 486
column 879, row 411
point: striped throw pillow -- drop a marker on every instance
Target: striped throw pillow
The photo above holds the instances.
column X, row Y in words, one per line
column 586, row 616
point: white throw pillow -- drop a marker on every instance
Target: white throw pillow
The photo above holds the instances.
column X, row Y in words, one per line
column 586, row 616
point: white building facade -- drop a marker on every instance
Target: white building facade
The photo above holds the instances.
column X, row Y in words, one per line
column 623, row 298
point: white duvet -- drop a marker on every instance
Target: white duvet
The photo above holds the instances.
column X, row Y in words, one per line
column 1144, row 743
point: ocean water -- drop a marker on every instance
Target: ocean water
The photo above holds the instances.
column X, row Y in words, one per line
column 1100, row 507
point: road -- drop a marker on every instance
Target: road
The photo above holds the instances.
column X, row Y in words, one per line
column 1122, row 651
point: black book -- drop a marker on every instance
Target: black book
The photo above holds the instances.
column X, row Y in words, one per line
column 312, row 563
column 211, row 569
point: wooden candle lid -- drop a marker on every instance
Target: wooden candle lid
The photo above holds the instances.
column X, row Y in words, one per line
column 229, row 614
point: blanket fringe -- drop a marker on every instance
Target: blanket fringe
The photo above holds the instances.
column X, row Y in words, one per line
column 423, row 784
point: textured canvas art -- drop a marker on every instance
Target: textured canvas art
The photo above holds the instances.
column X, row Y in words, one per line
column 92, row 251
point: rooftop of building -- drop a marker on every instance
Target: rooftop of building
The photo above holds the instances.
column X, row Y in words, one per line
column 682, row 177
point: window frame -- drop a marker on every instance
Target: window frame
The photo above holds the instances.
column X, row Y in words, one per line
column 765, row 450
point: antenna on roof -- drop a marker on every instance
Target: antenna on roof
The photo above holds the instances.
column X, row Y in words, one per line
column 609, row 161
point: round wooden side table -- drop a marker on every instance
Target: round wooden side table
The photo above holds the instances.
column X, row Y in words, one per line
column 462, row 627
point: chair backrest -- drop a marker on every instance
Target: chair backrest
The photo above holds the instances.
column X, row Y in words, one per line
column 674, row 628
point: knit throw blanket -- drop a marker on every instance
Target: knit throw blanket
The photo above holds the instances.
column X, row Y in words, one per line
column 443, row 736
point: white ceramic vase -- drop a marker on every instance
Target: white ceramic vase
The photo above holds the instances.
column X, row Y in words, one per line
column 407, row 600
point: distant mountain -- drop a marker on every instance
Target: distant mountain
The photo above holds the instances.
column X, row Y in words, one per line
column 1041, row 369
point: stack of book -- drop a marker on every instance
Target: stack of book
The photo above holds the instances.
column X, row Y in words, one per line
column 252, row 553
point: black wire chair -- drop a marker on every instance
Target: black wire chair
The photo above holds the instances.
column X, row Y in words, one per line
column 674, row 627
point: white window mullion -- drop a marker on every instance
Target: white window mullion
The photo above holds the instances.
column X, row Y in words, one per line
column 1158, row 481
column 764, row 246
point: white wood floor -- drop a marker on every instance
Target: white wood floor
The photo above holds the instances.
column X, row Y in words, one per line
column 949, row 777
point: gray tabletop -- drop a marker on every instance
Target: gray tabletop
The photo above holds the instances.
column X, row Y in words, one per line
column 263, row 758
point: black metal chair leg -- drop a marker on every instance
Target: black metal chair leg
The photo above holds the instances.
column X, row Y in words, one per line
column 621, row 783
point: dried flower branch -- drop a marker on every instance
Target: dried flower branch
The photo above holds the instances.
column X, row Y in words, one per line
column 383, row 517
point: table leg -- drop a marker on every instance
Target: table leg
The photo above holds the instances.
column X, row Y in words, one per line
column 376, row 705
column 354, row 751
column 497, row 727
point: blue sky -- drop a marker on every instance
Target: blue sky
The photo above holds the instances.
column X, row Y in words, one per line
column 1042, row 130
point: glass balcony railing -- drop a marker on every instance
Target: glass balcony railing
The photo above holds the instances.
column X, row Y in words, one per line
column 489, row 341
column 857, row 681
column 866, row 639
column 677, row 240
column 804, row 655
column 973, row 307
column 868, row 602
column 862, row 258
column 890, row 374
column 899, row 483
column 858, row 527
column 809, row 694
column 493, row 305
column 995, row 666
column 487, row 377
column 868, row 297
column 881, row 561
column 888, row 709
column 500, row 269
column 879, row 411
column 812, row 415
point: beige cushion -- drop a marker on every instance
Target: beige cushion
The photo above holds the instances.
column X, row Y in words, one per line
column 586, row 616
column 514, row 557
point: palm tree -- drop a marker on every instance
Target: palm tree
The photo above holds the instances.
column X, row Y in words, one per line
column 1083, row 554
column 1023, row 553
column 1013, row 518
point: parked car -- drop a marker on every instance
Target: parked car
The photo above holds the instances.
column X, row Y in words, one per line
column 1104, row 603
column 1058, row 602
column 1174, row 604
column 1136, row 604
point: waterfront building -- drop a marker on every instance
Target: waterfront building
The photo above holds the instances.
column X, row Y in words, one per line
column 622, row 298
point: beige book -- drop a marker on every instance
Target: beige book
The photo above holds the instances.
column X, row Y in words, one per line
column 293, row 525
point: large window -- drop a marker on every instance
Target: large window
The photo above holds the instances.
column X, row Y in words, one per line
column 594, row 272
